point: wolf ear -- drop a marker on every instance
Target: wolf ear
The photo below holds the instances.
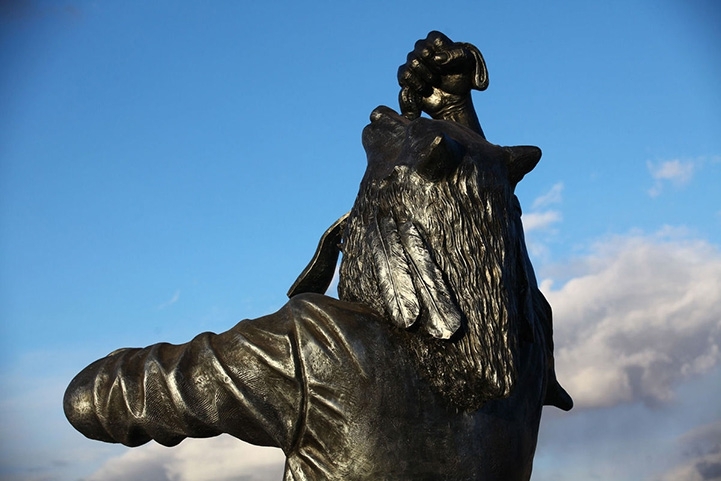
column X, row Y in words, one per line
column 521, row 160
column 439, row 157
column 318, row 274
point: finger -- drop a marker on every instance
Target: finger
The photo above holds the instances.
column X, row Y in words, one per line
column 423, row 49
column 408, row 79
column 421, row 70
column 409, row 104
column 439, row 41
column 451, row 56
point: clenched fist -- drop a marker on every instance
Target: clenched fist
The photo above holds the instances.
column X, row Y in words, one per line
column 437, row 78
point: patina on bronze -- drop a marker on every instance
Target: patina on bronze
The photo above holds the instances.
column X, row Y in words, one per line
column 437, row 358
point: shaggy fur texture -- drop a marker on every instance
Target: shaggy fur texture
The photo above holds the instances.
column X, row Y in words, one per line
column 469, row 228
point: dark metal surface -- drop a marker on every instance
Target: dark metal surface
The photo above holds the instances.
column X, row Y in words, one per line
column 318, row 274
column 437, row 359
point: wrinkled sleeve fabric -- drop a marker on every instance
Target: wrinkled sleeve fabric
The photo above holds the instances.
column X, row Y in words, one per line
column 245, row 382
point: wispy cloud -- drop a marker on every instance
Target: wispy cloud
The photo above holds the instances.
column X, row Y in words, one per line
column 642, row 315
column 171, row 301
column 540, row 219
column 675, row 172
column 553, row 196
column 218, row 459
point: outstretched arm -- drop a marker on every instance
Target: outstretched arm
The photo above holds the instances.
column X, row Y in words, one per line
column 243, row 382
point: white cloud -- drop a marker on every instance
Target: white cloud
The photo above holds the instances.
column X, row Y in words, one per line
column 216, row 459
column 540, row 220
column 553, row 196
column 644, row 314
column 676, row 172
column 543, row 219
column 171, row 301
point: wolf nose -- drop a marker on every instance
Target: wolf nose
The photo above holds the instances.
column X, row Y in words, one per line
column 382, row 111
column 376, row 115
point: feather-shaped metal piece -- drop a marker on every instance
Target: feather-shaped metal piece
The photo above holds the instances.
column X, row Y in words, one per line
column 318, row 274
column 444, row 316
column 393, row 272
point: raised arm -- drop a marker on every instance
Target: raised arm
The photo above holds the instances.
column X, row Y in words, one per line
column 438, row 77
column 243, row 382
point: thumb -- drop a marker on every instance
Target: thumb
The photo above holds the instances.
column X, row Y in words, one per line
column 450, row 57
column 409, row 102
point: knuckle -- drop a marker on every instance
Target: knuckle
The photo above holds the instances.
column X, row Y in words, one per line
column 438, row 39
column 402, row 72
column 422, row 49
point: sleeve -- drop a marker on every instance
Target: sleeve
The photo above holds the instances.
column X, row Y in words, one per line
column 245, row 382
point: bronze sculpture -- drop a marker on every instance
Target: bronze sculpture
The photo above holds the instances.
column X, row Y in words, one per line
column 436, row 359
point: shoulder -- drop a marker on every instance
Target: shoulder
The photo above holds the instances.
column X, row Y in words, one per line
column 320, row 319
column 320, row 306
column 331, row 320
column 314, row 327
column 349, row 336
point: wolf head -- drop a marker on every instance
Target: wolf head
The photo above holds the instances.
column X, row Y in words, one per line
column 434, row 244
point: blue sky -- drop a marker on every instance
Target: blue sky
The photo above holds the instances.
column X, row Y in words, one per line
column 167, row 169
